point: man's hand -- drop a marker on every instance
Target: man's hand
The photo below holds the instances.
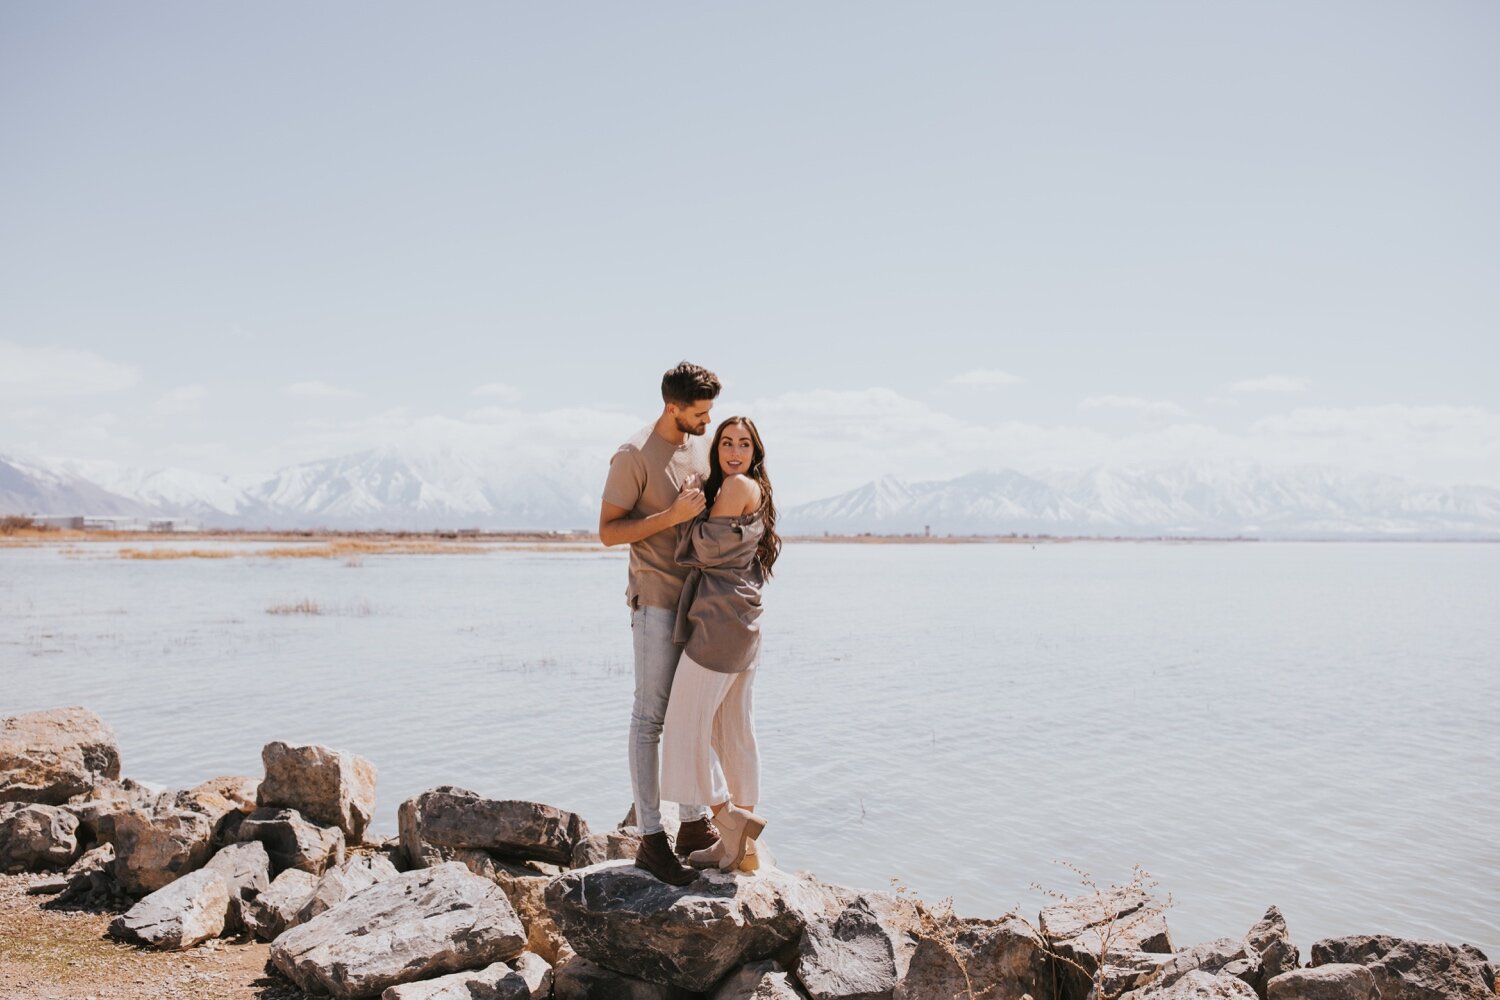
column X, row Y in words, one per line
column 617, row 527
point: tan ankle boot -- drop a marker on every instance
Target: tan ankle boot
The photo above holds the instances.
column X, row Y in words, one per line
column 709, row 857
column 736, row 828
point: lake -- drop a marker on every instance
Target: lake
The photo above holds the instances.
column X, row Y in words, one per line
column 1309, row 725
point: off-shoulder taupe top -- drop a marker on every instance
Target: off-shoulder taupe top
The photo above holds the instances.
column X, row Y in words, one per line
column 720, row 603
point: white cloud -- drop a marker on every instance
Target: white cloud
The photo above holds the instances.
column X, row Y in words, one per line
column 986, row 376
column 319, row 390
column 1270, row 383
column 48, row 372
column 183, row 399
column 1150, row 407
column 499, row 390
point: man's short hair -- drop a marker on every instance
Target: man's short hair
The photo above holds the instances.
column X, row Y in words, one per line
column 688, row 383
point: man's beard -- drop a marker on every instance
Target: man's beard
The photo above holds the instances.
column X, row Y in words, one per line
column 688, row 428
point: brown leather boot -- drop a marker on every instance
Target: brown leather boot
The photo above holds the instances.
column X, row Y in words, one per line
column 695, row 835
column 655, row 856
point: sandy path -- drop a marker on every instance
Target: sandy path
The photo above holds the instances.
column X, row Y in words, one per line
column 64, row 955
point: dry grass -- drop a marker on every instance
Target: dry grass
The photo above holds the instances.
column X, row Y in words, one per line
column 352, row 551
column 174, row 554
column 306, row 606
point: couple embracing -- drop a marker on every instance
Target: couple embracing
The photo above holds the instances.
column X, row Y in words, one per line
column 701, row 527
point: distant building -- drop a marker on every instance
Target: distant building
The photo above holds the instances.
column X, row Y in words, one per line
column 70, row 522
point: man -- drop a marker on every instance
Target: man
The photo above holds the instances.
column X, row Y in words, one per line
column 654, row 484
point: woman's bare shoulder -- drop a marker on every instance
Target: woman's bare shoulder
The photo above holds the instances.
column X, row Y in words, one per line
column 740, row 494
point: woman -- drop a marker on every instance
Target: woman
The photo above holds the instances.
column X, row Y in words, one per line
column 731, row 548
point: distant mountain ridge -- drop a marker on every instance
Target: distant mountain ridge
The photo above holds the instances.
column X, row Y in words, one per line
column 438, row 487
column 1185, row 499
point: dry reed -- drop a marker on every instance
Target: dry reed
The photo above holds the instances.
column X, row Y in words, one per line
column 306, row 606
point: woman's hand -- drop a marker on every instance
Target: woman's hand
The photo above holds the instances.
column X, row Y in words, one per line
column 688, row 505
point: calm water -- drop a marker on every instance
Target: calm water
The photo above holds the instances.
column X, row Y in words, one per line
column 1307, row 725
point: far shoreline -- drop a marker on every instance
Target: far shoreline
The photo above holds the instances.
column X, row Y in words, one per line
column 33, row 535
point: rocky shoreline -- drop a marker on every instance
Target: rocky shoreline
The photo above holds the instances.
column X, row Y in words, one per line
column 481, row 899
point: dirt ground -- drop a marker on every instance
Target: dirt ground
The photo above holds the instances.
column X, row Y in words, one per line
column 48, row 954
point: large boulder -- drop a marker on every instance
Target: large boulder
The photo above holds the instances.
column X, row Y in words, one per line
column 1223, row 957
column 1326, row 982
column 246, row 870
column 155, row 848
column 861, row 951
column 443, row 819
column 494, row 982
column 49, row 757
column 1195, row 985
column 626, row 920
column 415, row 926
column 332, row 787
column 997, row 958
column 293, row 841
column 1413, row 970
column 580, row 979
column 273, row 911
column 526, row 889
column 36, row 838
column 185, row 913
column 606, row 845
column 342, row 881
column 1271, row 940
column 537, row 972
column 765, row 980
column 95, row 808
column 1103, row 923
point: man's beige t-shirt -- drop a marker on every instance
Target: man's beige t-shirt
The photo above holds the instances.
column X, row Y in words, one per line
column 645, row 475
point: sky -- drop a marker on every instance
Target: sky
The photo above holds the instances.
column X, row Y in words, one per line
column 916, row 240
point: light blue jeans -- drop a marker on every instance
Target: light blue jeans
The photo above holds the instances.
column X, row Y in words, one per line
column 656, row 657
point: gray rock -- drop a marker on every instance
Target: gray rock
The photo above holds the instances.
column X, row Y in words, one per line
column 446, row 818
column 607, row 845
column 36, row 838
column 246, row 870
column 1195, row 985
column 495, row 982
column 415, row 926
column 49, row 886
column 622, row 918
column 293, row 841
column 91, row 877
column 106, row 799
column 331, row 787
column 537, row 972
column 1413, row 970
column 1002, row 958
column 862, row 951
column 49, row 757
column 154, row 849
column 1223, row 957
column 274, row 910
column 1326, row 982
column 1271, row 939
column 190, row 910
column 526, row 889
column 761, row 981
column 1126, row 971
column 342, row 881
column 580, row 979
column 1103, row 923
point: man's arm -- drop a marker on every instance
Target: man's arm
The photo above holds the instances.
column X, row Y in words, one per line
column 617, row 527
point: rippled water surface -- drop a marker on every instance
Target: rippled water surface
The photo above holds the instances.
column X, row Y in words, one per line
column 1308, row 725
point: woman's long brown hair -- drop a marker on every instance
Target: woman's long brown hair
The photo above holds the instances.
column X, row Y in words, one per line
column 770, row 543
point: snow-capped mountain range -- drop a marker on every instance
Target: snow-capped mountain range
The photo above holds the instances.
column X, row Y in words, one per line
column 425, row 488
